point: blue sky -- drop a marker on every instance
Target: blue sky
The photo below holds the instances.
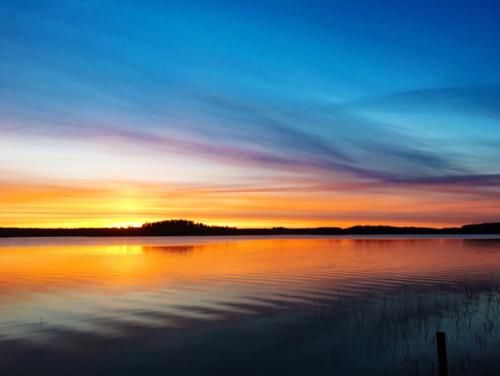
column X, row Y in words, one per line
column 387, row 97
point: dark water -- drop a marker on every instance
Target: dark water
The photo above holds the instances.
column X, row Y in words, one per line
column 248, row 306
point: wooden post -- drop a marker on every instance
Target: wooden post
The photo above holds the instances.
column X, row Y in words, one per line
column 441, row 353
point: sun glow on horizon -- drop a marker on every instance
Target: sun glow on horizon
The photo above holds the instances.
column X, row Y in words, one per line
column 248, row 124
column 121, row 205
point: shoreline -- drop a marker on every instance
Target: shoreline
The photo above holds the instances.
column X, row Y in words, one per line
column 180, row 227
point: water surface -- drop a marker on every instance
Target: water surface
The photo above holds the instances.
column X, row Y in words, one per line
column 251, row 305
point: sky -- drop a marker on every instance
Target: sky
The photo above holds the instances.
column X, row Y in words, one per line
column 249, row 113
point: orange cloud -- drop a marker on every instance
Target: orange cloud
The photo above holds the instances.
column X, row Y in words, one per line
column 124, row 204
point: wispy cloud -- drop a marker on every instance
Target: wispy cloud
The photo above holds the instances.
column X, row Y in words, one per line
column 248, row 108
column 477, row 100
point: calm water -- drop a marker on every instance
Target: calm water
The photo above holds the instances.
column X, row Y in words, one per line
column 247, row 305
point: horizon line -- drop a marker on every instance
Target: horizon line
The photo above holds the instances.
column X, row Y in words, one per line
column 139, row 226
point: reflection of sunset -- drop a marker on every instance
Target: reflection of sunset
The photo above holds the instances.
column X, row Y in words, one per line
column 143, row 142
column 120, row 266
column 100, row 284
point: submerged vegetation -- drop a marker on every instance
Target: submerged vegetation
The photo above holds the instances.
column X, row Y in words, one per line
column 395, row 334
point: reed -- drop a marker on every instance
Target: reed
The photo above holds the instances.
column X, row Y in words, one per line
column 395, row 334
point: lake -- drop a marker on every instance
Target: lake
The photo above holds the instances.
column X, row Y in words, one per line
column 248, row 305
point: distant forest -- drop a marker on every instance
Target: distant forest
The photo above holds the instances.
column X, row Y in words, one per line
column 187, row 228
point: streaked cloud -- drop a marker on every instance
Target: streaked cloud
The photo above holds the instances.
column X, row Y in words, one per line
column 246, row 108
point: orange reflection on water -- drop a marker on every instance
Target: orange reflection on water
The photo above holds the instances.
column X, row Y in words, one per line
column 96, row 285
column 123, row 264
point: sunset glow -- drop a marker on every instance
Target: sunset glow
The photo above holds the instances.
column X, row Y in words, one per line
column 324, row 114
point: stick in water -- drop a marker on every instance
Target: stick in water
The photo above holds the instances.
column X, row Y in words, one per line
column 441, row 353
